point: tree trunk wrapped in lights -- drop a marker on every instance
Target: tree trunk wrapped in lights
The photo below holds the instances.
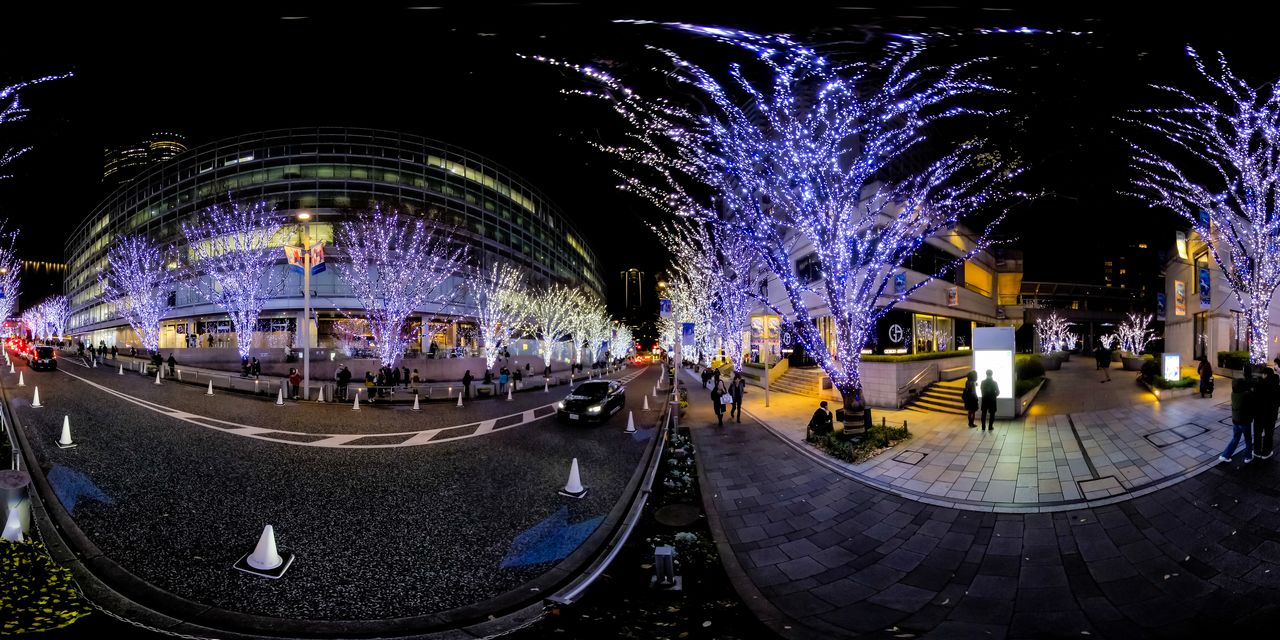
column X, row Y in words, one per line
column 813, row 157
column 232, row 254
column 396, row 266
column 137, row 281
column 551, row 316
column 1222, row 177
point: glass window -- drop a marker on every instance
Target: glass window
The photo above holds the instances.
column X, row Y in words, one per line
column 976, row 278
column 809, row 269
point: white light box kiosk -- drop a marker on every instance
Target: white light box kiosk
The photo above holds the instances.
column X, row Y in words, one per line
column 993, row 349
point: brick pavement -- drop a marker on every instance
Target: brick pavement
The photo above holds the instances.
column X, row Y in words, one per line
column 817, row 554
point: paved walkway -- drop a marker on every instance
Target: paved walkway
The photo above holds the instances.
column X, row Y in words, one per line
column 1040, row 462
column 817, row 554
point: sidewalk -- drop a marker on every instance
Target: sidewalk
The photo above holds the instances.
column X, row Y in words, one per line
column 1038, row 462
column 818, row 554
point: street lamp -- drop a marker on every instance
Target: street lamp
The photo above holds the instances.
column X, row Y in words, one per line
column 305, row 218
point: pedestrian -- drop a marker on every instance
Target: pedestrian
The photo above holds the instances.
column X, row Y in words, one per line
column 1205, row 371
column 255, row 368
column 370, row 385
column 173, row 364
column 133, row 351
column 416, row 379
column 518, row 376
column 113, row 352
column 503, row 377
column 1102, row 356
column 821, row 423
column 295, row 383
column 718, row 396
column 466, row 383
column 393, row 380
column 344, row 378
column 1264, row 419
column 244, row 366
column 970, row 396
column 404, row 378
column 381, row 382
column 737, row 390
column 990, row 391
column 1242, row 414
column 487, row 382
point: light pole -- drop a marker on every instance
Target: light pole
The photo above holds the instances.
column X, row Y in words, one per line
column 305, row 218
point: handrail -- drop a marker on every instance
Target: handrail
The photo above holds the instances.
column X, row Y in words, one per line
column 574, row 590
column 933, row 366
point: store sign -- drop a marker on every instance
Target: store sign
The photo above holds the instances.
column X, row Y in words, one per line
column 895, row 333
column 953, row 296
column 1205, row 281
column 1179, row 298
column 1172, row 368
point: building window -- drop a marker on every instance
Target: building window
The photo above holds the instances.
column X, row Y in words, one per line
column 977, row 279
column 809, row 269
column 1199, row 335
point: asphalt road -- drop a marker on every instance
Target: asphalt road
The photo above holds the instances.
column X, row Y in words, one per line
column 176, row 497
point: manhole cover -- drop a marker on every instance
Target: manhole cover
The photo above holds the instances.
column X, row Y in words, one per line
column 678, row 515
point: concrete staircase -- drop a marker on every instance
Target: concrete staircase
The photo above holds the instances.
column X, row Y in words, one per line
column 940, row 397
column 801, row 382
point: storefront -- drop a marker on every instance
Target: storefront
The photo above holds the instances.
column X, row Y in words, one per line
column 901, row 332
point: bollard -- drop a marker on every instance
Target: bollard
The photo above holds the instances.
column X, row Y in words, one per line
column 664, row 570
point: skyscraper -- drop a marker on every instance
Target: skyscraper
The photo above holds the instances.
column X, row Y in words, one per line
column 123, row 163
column 632, row 289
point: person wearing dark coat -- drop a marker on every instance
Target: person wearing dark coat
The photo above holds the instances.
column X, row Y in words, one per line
column 1102, row 356
column 1264, row 418
column 1243, row 406
column 404, row 376
column 737, row 389
column 970, row 396
column 173, row 364
column 990, row 391
column 466, row 383
column 344, row 378
column 822, row 422
column 1205, row 371
column 716, row 401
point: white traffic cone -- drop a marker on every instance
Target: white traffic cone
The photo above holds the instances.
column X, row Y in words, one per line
column 280, row 397
column 21, row 382
column 13, row 526
column 95, row 363
column 179, row 372
column 631, row 422
column 356, row 406
column 121, row 369
column 157, row 375
column 509, row 391
column 573, row 488
column 646, row 403
column 655, row 390
column 320, row 394
column 10, row 367
column 210, row 391
column 266, row 560
column 415, row 403
column 459, row 398
column 35, row 401
column 65, row 441
column 545, row 384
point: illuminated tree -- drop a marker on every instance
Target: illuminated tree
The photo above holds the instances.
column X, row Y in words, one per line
column 10, row 270
column 1052, row 331
column 138, row 280
column 500, row 307
column 1135, row 333
column 232, row 255
column 589, row 328
column 397, row 266
column 812, row 157
column 350, row 332
column 551, row 315
column 620, row 341
column 54, row 311
column 1222, row 178
column 11, row 110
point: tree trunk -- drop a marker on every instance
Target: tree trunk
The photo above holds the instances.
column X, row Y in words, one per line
column 1258, row 318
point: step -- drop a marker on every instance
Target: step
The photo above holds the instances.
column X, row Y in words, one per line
column 944, row 402
column 944, row 392
column 935, row 408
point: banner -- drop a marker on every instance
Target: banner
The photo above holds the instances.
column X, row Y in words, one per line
column 317, row 258
column 664, row 307
column 900, row 282
column 1179, row 298
column 1205, row 282
column 294, row 255
column 1160, row 306
column 953, row 296
column 686, row 334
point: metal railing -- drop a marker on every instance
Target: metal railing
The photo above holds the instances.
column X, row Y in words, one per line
column 917, row 379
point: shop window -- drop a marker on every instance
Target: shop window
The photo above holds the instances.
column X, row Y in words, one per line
column 809, row 269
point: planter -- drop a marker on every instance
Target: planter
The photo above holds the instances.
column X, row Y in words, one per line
column 1064, row 356
column 1115, row 356
column 1027, row 398
column 1132, row 363
column 1050, row 361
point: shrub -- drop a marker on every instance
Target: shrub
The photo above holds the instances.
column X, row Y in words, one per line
column 1185, row 383
column 859, row 449
column 1233, row 359
column 1028, row 367
column 1023, row 386
column 912, row 357
column 1150, row 370
column 35, row 593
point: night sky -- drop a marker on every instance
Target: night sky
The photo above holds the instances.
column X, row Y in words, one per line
column 452, row 73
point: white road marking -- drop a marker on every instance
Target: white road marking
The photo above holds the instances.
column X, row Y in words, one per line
column 329, row 440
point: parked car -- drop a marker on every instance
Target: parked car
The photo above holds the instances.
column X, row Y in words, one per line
column 595, row 400
column 42, row 357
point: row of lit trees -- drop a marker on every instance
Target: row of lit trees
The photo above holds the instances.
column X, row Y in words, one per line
column 395, row 266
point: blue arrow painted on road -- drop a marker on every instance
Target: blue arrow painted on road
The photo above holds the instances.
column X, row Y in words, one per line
column 70, row 485
column 549, row 540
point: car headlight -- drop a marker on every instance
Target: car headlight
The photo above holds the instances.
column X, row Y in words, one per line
column 595, row 408
column 560, row 405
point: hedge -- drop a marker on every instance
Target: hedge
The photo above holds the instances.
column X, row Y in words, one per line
column 1233, row 359
column 912, row 357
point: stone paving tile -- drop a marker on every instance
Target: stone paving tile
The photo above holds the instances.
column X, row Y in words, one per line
column 1184, row 559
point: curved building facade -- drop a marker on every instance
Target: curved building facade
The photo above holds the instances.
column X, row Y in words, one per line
column 334, row 173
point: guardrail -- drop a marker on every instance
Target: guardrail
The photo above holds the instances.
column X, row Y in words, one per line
column 574, row 590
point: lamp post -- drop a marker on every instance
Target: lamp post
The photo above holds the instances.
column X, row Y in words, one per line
column 305, row 218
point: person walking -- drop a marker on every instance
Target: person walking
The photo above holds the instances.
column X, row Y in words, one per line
column 970, row 396
column 518, row 377
column 295, row 383
column 1205, row 371
column 466, row 383
column 173, row 364
column 990, row 391
column 1102, row 356
column 344, row 378
column 404, row 376
column 370, row 385
column 1242, row 410
column 255, row 368
column 737, row 389
column 718, row 393
column 822, row 422
column 114, row 351
column 1264, row 419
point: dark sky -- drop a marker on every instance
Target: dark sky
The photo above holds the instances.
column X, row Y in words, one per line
column 451, row 73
